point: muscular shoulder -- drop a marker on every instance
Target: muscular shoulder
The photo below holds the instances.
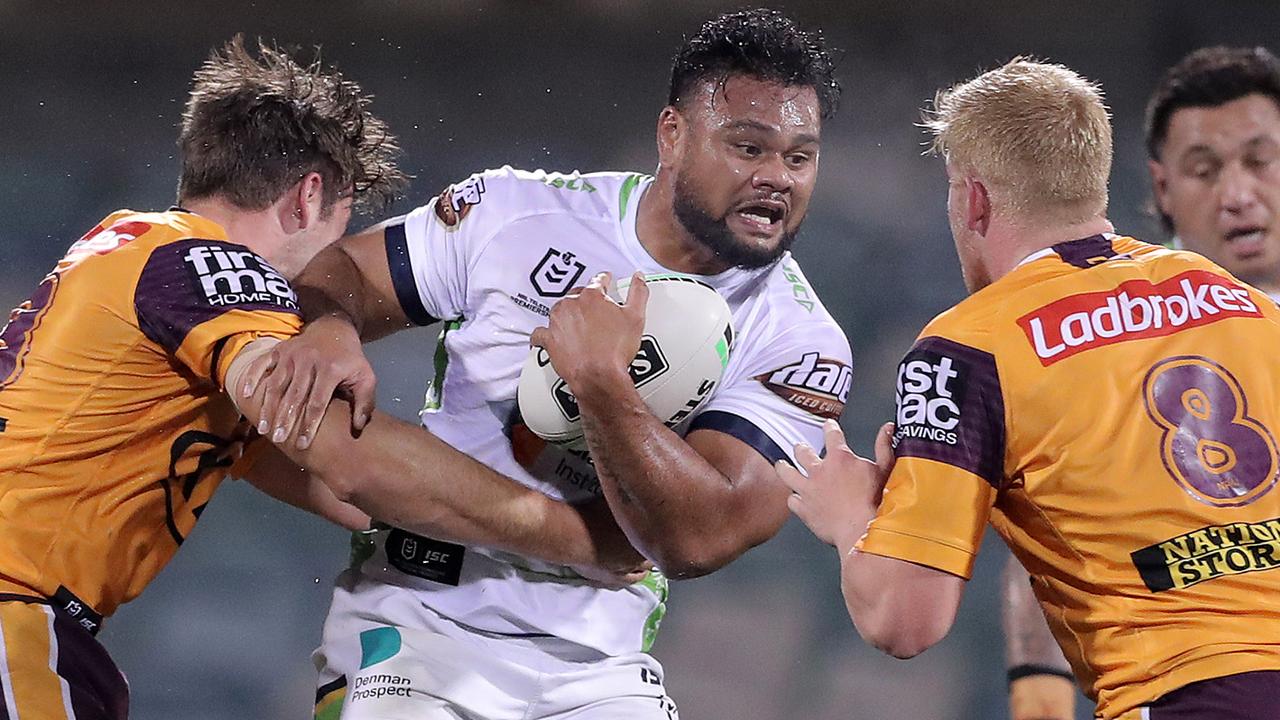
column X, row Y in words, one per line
column 508, row 194
column 793, row 322
column 126, row 235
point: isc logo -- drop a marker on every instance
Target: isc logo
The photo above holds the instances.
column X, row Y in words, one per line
column 929, row 392
column 234, row 277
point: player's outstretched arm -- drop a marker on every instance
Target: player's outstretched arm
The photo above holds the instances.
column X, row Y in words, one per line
column 347, row 296
column 1040, row 681
column 403, row 475
column 691, row 505
column 899, row 607
column 287, row 481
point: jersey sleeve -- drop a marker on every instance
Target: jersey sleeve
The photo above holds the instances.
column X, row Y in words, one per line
column 782, row 395
column 430, row 251
column 949, row 445
column 202, row 301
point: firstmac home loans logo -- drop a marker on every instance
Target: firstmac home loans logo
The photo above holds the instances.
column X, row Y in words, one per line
column 237, row 277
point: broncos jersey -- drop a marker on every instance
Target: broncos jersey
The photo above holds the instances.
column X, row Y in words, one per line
column 489, row 257
column 114, row 430
column 1111, row 406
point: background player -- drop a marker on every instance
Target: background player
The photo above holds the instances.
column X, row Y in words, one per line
column 493, row 257
column 1158, row 611
column 115, row 429
column 1213, row 138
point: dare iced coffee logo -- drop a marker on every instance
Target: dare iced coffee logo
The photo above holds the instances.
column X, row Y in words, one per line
column 1133, row 310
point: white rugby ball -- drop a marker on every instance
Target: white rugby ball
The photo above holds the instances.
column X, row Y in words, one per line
column 688, row 334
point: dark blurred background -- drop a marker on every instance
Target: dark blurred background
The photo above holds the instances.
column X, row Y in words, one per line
column 92, row 93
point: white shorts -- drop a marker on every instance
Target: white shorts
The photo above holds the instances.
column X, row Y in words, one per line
column 372, row 670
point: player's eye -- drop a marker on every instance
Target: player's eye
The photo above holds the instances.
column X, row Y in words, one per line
column 1204, row 171
column 1260, row 162
column 750, row 150
column 799, row 160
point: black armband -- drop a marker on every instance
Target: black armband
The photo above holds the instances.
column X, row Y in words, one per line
column 1017, row 672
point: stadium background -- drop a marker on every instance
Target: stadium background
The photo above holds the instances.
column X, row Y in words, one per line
column 92, row 95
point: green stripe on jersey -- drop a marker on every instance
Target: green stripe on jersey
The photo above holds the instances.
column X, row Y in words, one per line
column 657, row 583
column 435, row 388
column 628, row 186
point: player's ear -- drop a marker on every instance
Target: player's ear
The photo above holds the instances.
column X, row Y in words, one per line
column 978, row 206
column 671, row 130
column 1159, row 184
column 305, row 200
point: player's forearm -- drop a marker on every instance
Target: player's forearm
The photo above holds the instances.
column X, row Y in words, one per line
column 899, row 607
column 408, row 478
column 286, row 481
column 669, row 500
column 332, row 285
column 1029, row 645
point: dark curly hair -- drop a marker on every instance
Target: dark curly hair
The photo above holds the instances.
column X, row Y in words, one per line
column 762, row 44
column 1209, row 77
column 255, row 126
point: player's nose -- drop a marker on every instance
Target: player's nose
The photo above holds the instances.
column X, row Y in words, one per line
column 1237, row 189
column 772, row 172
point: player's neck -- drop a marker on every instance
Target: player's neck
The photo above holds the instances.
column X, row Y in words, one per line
column 666, row 240
column 1011, row 243
column 255, row 230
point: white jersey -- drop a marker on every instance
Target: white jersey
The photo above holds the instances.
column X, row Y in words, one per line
column 489, row 257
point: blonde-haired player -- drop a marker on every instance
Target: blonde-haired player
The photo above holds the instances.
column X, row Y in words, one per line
column 1098, row 400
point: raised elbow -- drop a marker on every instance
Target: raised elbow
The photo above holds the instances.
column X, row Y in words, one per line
column 897, row 635
column 688, row 560
column 901, row 645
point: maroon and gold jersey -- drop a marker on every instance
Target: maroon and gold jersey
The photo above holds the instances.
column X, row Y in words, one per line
column 1112, row 407
column 114, row 430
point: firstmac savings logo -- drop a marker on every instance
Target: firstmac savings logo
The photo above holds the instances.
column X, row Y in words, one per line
column 556, row 273
column 930, row 392
column 1133, row 310
column 229, row 277
column 814, row 384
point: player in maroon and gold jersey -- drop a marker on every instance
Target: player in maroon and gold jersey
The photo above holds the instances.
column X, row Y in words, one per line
column 1100, row 400
column 1213, row 143
column 115, row 429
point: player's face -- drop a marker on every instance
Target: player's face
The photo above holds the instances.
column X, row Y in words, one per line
column 1218, row 180
column 746, row 165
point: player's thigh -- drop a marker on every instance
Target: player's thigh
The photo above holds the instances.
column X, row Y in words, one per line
column 633, row 707
column 392, row 673
column 50, row 669
column 619, row 688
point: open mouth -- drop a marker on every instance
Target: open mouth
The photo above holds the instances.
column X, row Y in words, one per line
column 1246, row 241
column 762, row 214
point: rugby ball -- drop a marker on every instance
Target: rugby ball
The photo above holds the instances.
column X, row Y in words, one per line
column 684, row 348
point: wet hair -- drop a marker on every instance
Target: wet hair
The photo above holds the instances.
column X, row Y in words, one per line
column 1209, row 77
column 255, row 126
column 763, row 44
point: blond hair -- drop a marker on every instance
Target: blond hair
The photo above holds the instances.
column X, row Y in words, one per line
column 1037, row 134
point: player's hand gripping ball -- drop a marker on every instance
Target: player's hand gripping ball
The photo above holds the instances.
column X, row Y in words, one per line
column 684, row 349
